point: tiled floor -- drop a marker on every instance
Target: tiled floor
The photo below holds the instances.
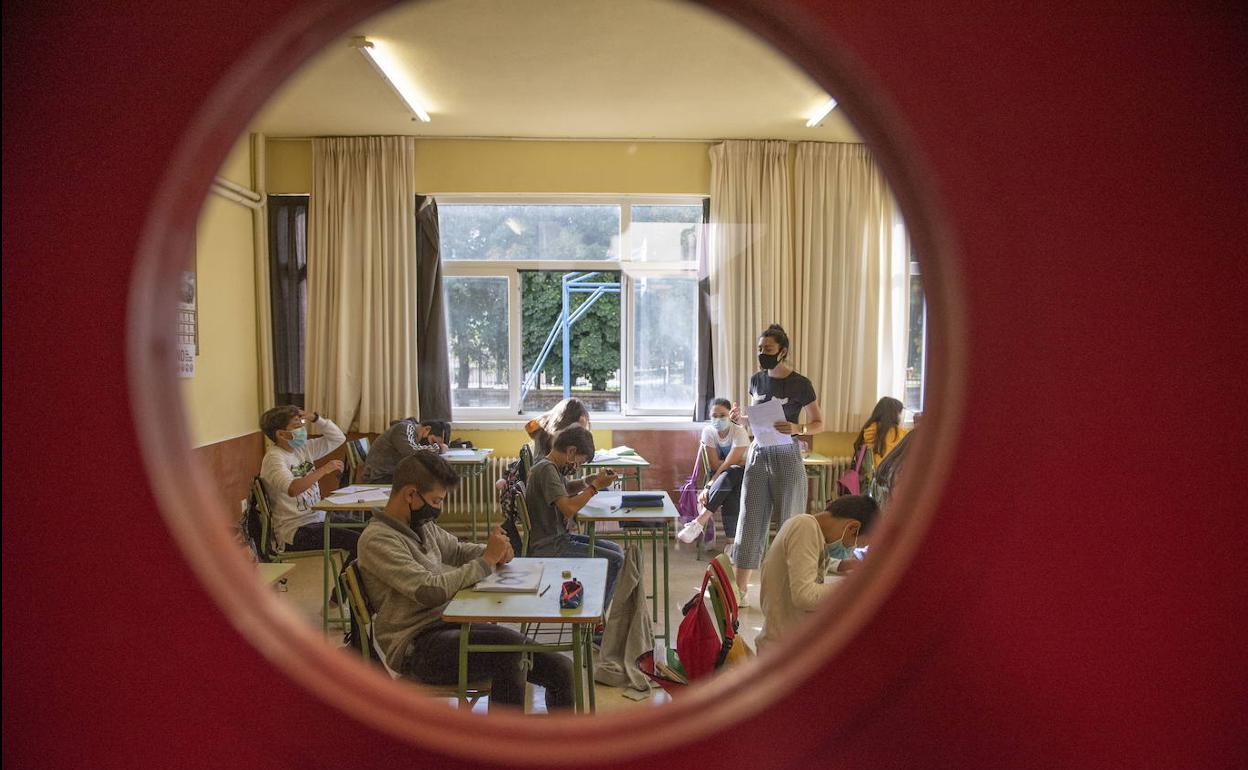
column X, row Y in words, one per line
column 303, row 590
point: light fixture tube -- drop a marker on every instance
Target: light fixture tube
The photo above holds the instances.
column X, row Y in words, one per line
column 822, row 113
column 389, row 70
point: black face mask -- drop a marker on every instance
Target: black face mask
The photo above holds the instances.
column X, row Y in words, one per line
column 418, row 516
column 768, row 361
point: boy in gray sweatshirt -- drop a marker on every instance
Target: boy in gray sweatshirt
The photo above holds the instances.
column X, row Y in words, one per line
column 412, row 568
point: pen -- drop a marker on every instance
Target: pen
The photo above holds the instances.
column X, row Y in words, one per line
column 544, row 590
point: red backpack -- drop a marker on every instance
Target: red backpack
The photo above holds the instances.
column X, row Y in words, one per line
column 699, row 645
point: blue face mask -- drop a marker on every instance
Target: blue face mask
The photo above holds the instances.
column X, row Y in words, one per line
column 720, row 423
column 298, row 437
column 838, row 550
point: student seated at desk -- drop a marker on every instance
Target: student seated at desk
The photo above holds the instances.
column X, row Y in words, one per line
column 412, row 568
column 552, row 505
column 402, row 439
column 799, row 558
column 882, row 431
column 292, row 481
column 568, row 412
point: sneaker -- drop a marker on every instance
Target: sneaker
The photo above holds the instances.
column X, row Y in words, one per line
column 690, row 532
column 743, row 597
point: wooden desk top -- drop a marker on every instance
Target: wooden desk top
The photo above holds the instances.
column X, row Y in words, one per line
column 471, row 606
column 814, row 458
column 351, row 502
column 605, row 506
column 624, row 461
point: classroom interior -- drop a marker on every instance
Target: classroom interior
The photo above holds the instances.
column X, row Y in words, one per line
column 622, row 107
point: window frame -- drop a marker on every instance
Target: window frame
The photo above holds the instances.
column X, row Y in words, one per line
column 510, row 269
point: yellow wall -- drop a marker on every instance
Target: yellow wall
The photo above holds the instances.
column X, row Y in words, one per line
column 222, row 399
column 500, row 166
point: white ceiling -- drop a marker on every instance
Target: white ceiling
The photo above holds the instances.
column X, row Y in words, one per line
column 628, row 69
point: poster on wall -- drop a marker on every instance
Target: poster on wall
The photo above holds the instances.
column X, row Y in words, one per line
column 188, row 324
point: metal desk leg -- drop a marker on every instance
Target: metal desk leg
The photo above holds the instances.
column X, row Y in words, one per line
column 589, row 526
column 325, row 575
column 667, row 587
column 654, row 576
column 578, row 650
column 463, row 663
column 589, row 669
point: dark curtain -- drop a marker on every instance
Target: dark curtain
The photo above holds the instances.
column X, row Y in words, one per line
column 288, row 287
column 706, row 372
column 432, row 364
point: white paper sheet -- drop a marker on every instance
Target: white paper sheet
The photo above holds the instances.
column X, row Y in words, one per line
column 352, row 490
column 513, row 578
column 367, row 495
column 763, row 418
column 603, row 456
column 460, row 454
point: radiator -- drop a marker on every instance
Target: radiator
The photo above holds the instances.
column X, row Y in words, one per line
column 474, row 493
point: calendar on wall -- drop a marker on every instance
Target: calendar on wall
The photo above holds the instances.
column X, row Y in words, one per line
column 188, row 326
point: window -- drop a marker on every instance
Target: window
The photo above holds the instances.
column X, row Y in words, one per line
column 619, row 271
column 916, row 356
column 288, row 293
column 477, row 336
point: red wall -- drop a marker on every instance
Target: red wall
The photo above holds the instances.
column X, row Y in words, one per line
column 1080, row 599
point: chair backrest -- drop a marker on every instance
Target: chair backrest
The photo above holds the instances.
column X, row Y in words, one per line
column 704, row 456
column 357, row 453
column 362, row 611
column 526, row 459
column 523, row 522
column 261, row 500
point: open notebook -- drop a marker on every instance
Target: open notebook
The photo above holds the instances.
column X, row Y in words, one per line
column 513, row 578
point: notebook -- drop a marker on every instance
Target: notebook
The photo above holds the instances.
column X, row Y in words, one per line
column 641, row 500
column 513, row 578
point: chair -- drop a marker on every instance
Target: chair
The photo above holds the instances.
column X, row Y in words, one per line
column 337, row 555
column 523, row 522
column 704, row 462
column 357, row 453
column 526, row 460
column 362, row 612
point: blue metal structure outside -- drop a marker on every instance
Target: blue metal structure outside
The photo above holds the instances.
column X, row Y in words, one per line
column 571, row 283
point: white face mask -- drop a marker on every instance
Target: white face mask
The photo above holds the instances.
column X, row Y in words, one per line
column 720, row 423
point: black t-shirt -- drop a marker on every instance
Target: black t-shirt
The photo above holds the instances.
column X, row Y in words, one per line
column 796, row 388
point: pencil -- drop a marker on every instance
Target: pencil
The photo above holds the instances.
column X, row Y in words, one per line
column 544, row 590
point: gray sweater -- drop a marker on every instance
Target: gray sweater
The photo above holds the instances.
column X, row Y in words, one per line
column 409, row 582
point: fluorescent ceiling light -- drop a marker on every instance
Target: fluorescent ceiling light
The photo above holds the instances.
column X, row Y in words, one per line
column 821, row 113
column 392, row 73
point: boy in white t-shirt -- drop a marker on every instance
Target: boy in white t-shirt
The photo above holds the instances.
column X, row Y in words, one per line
column 293, row 482
column 726, row 443
column 802, row 555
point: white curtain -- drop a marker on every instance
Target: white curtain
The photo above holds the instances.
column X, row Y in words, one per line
column 852, row 253
column 750, row 256
column 361, row 346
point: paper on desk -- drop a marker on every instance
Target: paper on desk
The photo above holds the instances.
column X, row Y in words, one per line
column 365, row 495
column 763, row 418
column 353, row 489
column 515, row 577
column 602, row 456
column 460, row 454
column 623, row 451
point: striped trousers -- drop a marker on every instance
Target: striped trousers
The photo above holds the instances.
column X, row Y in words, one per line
column 775, row 480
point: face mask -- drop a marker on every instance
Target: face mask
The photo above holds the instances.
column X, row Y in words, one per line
column 567, row 469
column 719, row 423
column 298, row 437
column 768, row 361
column 418, row 516
column 838, row 550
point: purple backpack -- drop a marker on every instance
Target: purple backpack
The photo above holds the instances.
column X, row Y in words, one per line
column 688, row 503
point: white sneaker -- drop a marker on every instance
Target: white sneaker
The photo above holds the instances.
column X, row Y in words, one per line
column 743, row 597
column 690, row 532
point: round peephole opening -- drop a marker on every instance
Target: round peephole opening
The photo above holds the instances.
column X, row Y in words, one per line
column 567, row 364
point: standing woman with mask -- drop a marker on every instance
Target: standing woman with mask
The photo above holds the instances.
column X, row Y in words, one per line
column 774, row 477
